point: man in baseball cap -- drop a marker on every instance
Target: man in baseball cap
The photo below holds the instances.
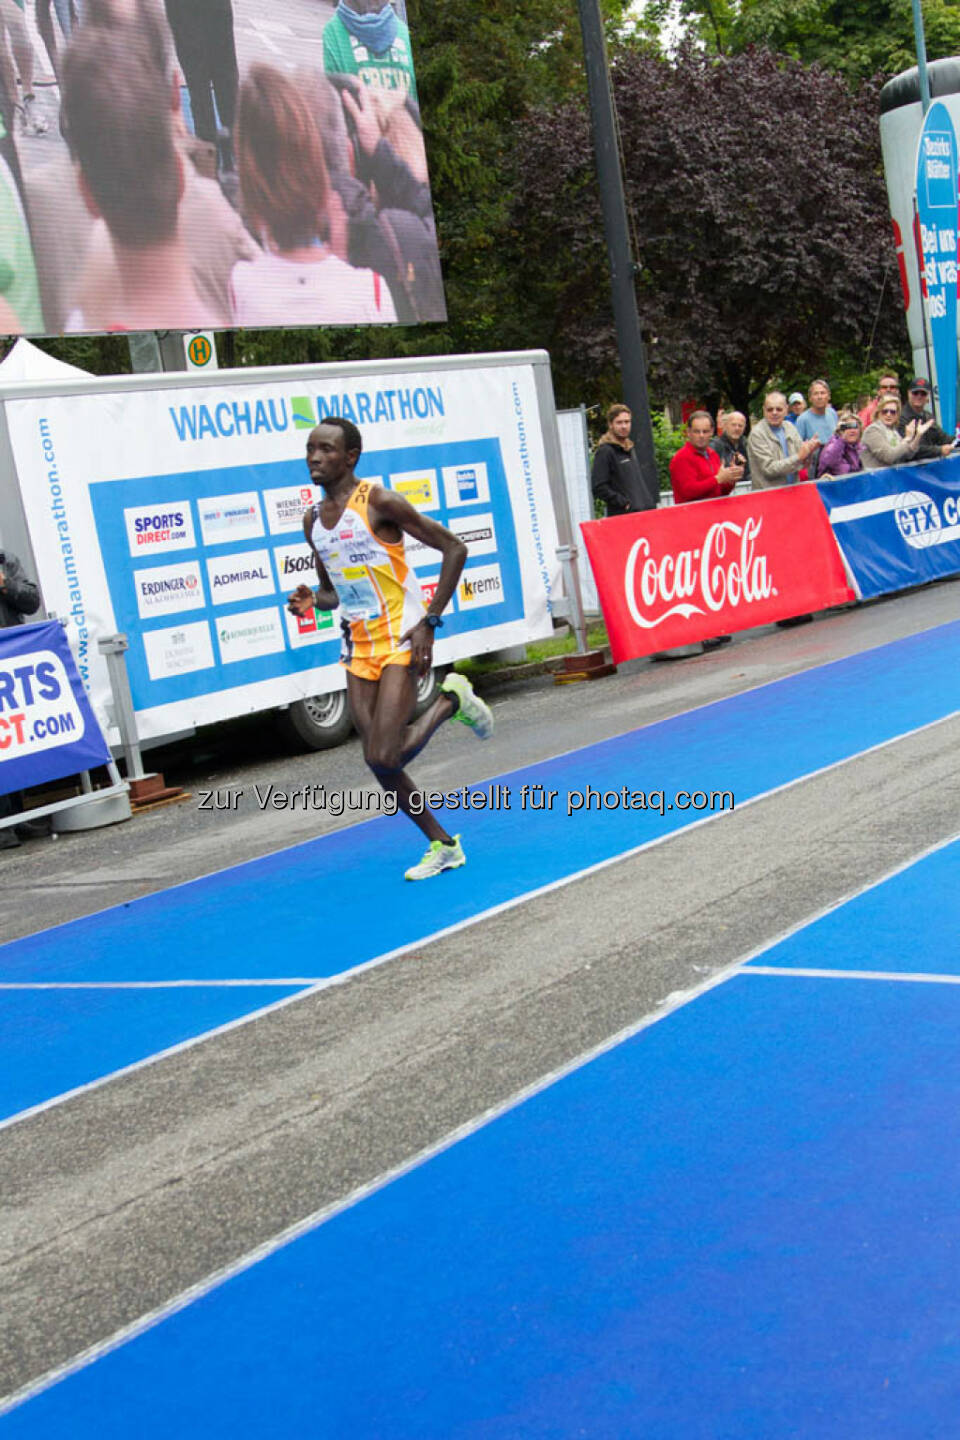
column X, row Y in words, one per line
column 936, row 442
column 795, row 407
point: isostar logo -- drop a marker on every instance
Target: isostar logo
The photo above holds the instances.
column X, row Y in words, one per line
column 725, row 571
column 38, row 710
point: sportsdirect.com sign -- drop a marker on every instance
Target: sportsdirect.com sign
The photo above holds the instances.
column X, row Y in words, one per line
column 47, row 729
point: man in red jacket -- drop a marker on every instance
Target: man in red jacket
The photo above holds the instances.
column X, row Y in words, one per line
column 696, row 471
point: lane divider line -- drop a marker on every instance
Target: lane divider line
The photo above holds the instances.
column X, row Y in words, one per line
column 919, row 977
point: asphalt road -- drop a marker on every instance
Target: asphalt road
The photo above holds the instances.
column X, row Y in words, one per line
column 116, row 1201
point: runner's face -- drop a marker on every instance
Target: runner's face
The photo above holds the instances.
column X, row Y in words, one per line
column 326, row 455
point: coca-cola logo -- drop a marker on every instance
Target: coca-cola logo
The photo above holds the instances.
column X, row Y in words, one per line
column 723, row 573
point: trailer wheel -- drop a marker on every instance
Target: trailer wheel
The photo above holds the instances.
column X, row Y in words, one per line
column 318, row 723
column 428, row 687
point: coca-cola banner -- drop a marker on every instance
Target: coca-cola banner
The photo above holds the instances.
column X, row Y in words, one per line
column 673, row 576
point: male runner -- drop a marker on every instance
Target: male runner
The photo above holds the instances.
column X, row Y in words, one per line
column 356, row 534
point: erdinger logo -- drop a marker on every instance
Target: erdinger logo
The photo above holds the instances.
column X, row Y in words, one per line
column 725, row 572
column 918, row 519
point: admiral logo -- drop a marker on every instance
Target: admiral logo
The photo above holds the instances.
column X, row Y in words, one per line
column 38, row 709
column 153, row 529
column 240, row 577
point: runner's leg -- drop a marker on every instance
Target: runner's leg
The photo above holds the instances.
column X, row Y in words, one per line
column 381, row 710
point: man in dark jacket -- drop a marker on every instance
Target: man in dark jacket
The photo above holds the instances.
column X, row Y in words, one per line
column 730, row 442
column 616, row 470
column 936, row 442
column 18, row 597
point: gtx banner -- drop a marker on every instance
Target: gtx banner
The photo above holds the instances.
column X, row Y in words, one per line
column 687, row 573
column 47, row 729
column 897, row 527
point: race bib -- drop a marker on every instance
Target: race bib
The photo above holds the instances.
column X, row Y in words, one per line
column 358, row 597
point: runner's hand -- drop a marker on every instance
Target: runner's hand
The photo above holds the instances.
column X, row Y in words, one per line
column 421, row 646
column 301, row 601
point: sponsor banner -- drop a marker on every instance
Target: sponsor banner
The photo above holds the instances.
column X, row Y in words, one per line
column 223, row 492
column 168, row 589
column 241, row 576
column 897, row 527
column 937, row 214
column 295, row 566
column 477, row 533
column 250, row 634
column 674, row 576
column 465, row 485
column 153, row 529
column 310, row 629
column 480, row 585
column 225, row 519
column 47, row 728
column 178, row 651
column 285, row 507
column 419, row 487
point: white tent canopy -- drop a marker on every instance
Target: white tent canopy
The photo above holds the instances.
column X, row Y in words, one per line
column 29, row 362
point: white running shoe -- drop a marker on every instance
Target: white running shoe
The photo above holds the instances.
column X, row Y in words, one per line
column 438, row 858
column 471, row 710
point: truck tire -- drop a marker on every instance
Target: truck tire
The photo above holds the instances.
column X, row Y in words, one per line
column 319, row 723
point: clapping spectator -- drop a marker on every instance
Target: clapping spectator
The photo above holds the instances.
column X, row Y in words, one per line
column 696, row 470
column 777, row 453
column 841, row 455
column 936, row 442
column 729, row 441
column 882, row 442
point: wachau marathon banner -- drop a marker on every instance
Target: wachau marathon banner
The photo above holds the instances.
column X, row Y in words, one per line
column 897, row 527
column 937, row 214
column 175, row 515
column 690, row 572
column 47, row 728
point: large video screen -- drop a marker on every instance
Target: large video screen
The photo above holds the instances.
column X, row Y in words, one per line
column 206, row 164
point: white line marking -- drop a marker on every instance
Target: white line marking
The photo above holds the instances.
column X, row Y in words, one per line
column 675, row 1001
column 155, row 984
column 912, row 976
column 346, row 975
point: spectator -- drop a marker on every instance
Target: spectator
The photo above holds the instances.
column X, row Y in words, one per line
column 18, row 597
column 367, row 38
column 729, row 441
column 777, row 453
column 203, row 35
column 819, row 420
column 795, row 407
column 888, row 384
column 696, row 470
column 841, row 455
column 937, row 442
column 299, row 279
column 882, row 442
column 214, row 235
column 616, row 475
column 113, row 93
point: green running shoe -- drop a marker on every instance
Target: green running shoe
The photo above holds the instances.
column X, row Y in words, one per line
column 471, row 710
column 438, row 858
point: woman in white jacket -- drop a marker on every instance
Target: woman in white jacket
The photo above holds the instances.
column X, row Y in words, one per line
column 882, row 444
